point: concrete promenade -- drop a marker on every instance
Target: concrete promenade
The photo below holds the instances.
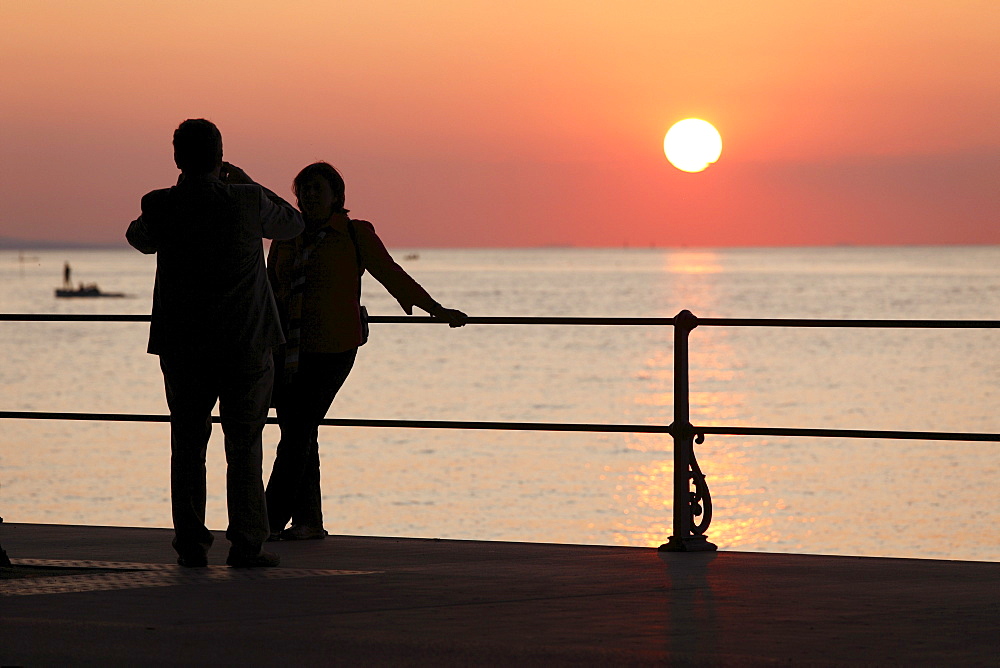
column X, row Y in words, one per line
column 113, row 596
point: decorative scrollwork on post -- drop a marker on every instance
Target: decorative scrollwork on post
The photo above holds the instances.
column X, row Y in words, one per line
column 692, row 500
column 701, row 498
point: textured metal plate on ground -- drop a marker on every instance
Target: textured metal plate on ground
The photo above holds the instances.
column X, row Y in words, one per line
column 48, row 576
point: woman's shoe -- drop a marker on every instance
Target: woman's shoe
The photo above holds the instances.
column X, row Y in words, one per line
column 303, row 532
column 260, row 560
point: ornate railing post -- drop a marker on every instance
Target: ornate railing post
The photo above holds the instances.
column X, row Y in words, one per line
column 692, row 507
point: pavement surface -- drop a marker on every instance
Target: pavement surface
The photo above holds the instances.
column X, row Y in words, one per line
column 114, row 596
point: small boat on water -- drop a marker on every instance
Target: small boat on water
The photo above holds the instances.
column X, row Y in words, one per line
column 90, row 290
column 86, row 291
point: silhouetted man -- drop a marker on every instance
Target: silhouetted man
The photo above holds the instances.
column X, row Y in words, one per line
column 214, row 323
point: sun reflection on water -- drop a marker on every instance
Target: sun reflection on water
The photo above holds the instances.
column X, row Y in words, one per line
column 693, row 262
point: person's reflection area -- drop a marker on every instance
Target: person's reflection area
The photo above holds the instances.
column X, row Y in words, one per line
column 692, row 631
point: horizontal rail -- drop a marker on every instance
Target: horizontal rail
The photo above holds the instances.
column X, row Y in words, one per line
column 569, row 320
column 547, row 426
column 827, row 322
column 849, row 433
column 407, row 319
column 357, row 422
column 71, row 317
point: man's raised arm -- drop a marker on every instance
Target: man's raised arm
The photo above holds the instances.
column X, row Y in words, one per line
column 278, row 218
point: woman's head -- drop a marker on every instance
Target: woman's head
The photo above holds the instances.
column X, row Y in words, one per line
column 319, row 189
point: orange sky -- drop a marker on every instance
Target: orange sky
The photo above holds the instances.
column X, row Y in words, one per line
column 520, row 123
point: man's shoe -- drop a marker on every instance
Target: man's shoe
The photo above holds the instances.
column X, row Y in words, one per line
column 260, row 560
column 303, row 532
column 193, row 560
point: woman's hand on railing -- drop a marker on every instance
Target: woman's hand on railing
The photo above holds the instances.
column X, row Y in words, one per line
column 453, row 317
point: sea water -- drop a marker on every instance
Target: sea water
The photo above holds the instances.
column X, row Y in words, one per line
column 902, row 498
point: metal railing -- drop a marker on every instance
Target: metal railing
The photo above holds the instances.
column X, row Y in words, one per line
column 692, row 502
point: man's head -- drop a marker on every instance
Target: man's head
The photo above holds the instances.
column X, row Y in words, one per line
column 197, row 146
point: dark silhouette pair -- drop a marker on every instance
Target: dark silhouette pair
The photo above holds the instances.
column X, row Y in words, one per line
column 218, row 315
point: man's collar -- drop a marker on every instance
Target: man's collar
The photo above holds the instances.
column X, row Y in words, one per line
column 208, row 177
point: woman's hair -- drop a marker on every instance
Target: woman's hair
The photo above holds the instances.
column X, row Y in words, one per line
column 326, row 171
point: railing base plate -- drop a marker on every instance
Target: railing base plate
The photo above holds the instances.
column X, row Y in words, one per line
column 689, row 544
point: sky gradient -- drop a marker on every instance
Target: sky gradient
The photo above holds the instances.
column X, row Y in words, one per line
column 521, row 123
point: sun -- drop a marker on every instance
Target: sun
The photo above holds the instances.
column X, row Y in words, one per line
column 692, row 145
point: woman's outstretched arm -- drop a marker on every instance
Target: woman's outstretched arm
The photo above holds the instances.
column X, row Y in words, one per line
column 402, row 286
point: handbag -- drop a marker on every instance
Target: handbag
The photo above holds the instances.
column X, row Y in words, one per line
column 364, row 325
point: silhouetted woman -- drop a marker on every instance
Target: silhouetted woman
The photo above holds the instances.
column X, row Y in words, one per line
column 316, row 279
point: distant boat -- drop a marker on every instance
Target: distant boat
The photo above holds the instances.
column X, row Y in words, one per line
column 411, row 256
column 86, row 291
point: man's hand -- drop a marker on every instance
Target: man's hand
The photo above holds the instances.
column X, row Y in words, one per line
column 230, row 173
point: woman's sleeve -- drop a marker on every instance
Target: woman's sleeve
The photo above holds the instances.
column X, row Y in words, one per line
column 380, row 264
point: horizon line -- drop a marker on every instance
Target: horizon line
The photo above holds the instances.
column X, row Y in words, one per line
column 17, row 244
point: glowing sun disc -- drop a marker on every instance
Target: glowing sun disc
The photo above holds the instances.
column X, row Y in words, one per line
column 692, row 145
